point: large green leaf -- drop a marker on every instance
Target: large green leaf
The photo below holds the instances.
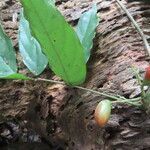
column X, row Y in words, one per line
column 30, row 49
column 7, row 55
column 86, row 29
column 58, row 40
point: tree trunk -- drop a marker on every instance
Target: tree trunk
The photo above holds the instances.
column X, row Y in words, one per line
column 66, row 114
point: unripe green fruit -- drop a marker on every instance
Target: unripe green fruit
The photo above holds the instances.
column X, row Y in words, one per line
column 103, row 112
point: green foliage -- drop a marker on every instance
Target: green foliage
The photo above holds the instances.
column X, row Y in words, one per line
column 30, row 49
column 52, row 2
column 17, row 76
column 58, row 40
column 8, row 66
column 7, row 55
column 66, row 52
column 86, row 29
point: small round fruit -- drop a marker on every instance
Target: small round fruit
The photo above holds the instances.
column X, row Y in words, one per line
column 147, row 73
column 103, row 112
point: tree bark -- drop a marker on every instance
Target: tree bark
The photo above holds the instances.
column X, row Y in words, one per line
column 117, row 48
column 66, row 113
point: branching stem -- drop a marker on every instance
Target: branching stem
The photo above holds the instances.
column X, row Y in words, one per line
column 117, row 98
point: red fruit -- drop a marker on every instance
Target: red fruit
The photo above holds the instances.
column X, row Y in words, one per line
column 147, row 73
column 102, row 112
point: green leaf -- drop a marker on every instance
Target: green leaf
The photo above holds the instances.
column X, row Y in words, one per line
column 52, row 2
column 86, row 29
column 8, row 66
column 7, row 55
column 58, row 40
column 16, row 76
column 30, row 49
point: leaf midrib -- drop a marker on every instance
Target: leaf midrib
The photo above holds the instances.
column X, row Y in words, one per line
column 46, row 32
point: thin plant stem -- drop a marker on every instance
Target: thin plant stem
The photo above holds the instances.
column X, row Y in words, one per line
column 146, row 44
column 78, row 87
column 85, row 89
column 128, row 101
column 138, row 77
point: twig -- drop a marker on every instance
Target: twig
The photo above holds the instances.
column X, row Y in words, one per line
column 146, row 44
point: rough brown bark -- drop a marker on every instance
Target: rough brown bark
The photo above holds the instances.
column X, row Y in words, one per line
column 67, row 114
column 117, row 47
